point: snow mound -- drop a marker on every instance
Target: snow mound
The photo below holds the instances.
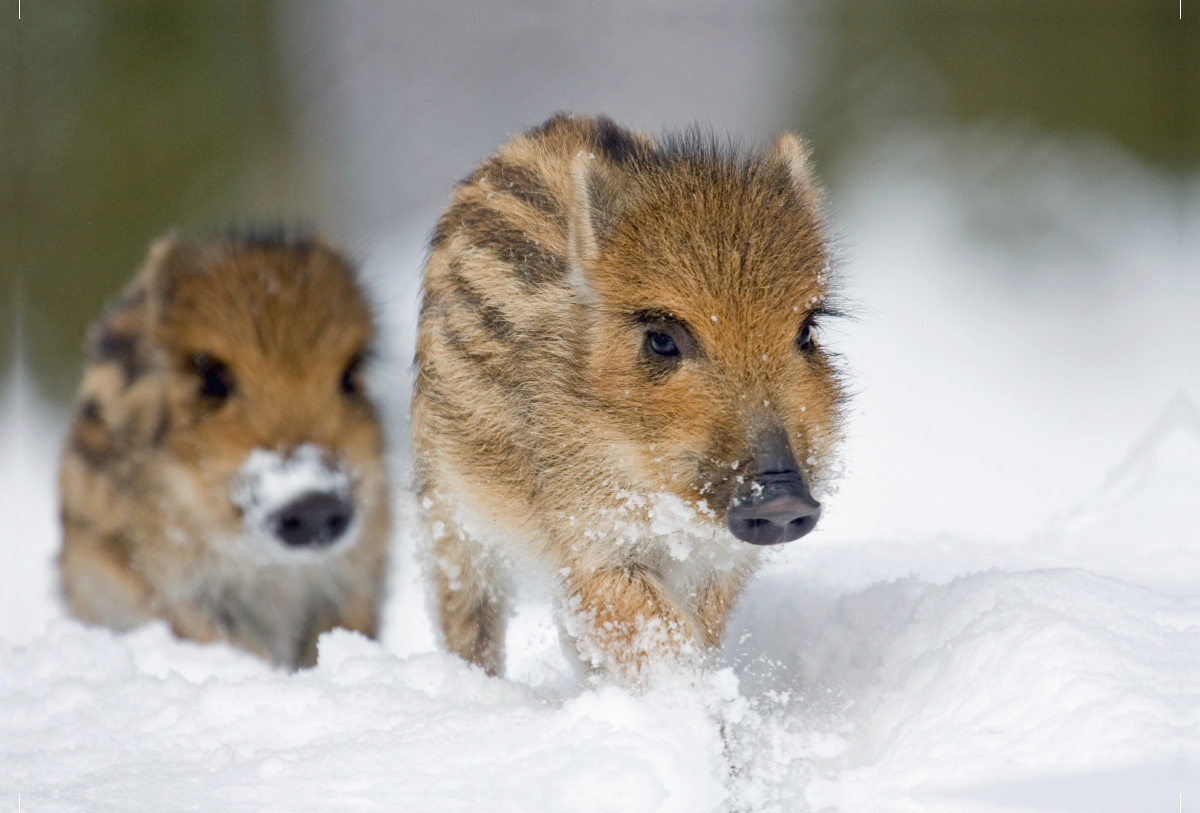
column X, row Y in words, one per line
column 936, row 692
column 943, row 674
column 143, row 722
column 1156, row 486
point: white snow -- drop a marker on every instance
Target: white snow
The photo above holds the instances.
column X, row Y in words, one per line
column 971, row 632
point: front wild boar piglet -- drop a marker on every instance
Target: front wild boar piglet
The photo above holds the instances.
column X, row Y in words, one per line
column 224, row 470
column 620, row 376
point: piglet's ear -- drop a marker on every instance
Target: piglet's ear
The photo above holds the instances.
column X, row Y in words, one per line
column 169, row 257
column 582, row 239
column 792, row 154
column 601, row 194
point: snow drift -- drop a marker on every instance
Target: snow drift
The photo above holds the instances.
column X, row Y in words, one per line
column 839, row 690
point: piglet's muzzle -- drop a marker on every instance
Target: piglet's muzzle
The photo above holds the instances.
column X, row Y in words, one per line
column 317, row 520
column 295, row 502
column 772, row 509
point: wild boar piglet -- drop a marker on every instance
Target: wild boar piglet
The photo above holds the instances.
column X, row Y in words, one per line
column 621, row 379
column 225, row 467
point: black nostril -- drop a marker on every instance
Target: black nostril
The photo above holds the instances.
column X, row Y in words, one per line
column 314, row 520
column 776, row 509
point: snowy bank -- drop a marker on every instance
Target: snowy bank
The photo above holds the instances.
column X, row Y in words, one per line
column 856, row 677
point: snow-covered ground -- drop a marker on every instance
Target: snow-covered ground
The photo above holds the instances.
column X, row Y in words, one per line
column 987, row 620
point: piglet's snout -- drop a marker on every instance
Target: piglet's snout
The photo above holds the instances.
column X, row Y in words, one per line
column 772, row 506
column 775, row 508
column 314, row 520
column 301, row 501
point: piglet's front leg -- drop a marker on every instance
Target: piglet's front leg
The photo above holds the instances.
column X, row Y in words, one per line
column 625, row 623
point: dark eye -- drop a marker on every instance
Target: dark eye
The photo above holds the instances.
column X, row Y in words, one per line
column 805, row 339
column 216, row 381
column 661, row 344
column 351, row 385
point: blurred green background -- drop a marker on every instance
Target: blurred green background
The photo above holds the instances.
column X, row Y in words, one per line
column 121, row 119
column 1128, row 70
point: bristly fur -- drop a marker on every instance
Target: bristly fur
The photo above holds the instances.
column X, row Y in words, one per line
column 150, row 525
column 543, row 426
column 266, row 235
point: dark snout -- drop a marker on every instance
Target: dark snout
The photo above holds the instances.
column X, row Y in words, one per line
column 315, row 520
column 775, row 508
column 773, row 504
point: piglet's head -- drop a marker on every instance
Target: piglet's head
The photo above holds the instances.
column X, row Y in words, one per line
column 708, row 281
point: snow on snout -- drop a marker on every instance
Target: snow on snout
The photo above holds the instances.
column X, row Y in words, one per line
column 268, row 482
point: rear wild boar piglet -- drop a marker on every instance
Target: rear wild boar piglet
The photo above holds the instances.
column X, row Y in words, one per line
column 224, row 470
column 620, row 378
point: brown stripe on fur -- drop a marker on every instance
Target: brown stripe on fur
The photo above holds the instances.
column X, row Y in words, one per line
column 90, row 438
column 559, row 121
column 617, row 143
column 441, row 233
column 121, row 348
column 456, row 217
column 486, row 228
column 492, row 367
column 490, row 317
column 523, row 184
column 493, row 432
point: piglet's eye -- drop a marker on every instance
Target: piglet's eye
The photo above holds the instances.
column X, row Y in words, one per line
column 661, row 344
column 805, row 339
column 216, row 380
column 351, row 386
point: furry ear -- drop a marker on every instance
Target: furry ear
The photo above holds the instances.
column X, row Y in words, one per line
column 582, row 241
column 169, row 256
column 601, row 194
column 792, row 154
column 122, row 334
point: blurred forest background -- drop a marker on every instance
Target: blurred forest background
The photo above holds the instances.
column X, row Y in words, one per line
column 121, row 119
